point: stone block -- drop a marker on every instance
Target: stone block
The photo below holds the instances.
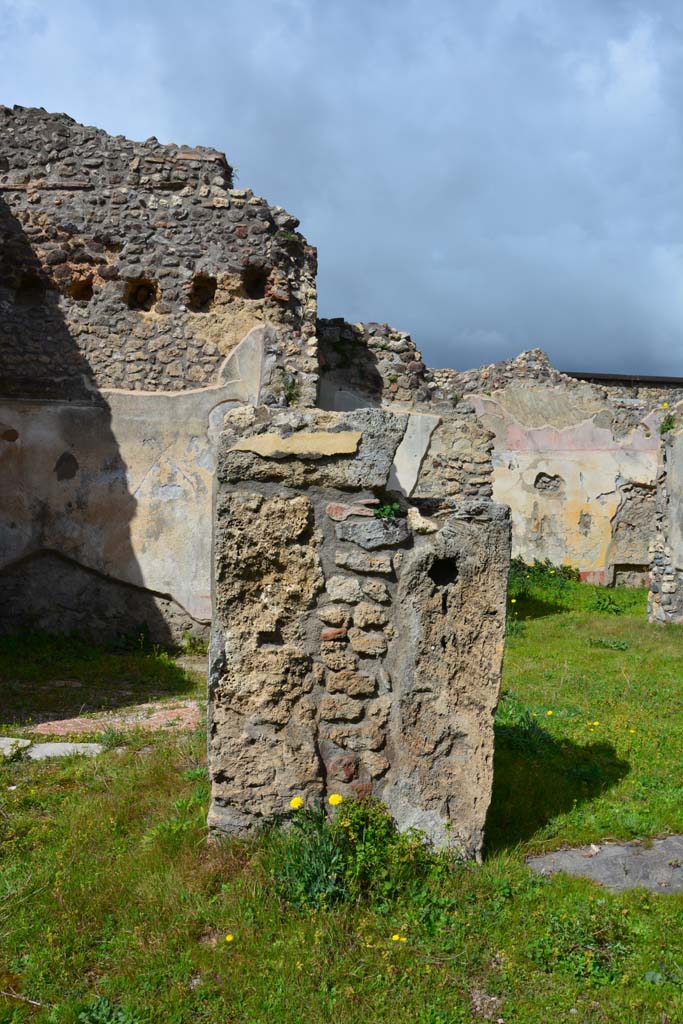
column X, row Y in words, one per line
column 341, row 707
column 377, row 591
column 359, row 561
column 368, row 644
column 344, row 588
column 375, row 533
column 10, row 746
column 369, row 616
column 354, row 684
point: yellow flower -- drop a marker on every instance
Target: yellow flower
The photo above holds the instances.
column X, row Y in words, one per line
column 395, row 938
column 665, row 406
column 596, row 723
column 632, row 730
column 552, row 572
column 296, row 803
column 229, row 938
column 513, row 600
column 403, row 938
column 548, row 712
column 334, row 799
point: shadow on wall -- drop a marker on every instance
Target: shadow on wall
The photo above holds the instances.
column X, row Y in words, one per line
column 536, row 778
column 64, row 485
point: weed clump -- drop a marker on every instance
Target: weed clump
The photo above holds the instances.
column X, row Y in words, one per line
column 358, row 854
column 104, row 1012
column 589, row 944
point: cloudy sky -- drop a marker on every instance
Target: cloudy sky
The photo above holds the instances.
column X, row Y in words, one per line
column 489, row 176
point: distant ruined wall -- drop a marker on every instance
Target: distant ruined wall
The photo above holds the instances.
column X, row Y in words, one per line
column 350, row 654
column 141, row 295
column 576, row 462
column 665, row 598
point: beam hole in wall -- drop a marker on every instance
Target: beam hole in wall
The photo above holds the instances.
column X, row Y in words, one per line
column 443, row 573
column 549, row 484
column 270, row 638
column 202, row 293
column 80, row 289
column 254, row 280
column 141, row 293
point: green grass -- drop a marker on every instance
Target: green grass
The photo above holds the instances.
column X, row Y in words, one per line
column 109, row 890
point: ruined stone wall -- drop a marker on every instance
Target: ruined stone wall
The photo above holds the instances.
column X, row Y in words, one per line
column 665, row 598
column 350, row 654
column 141, row 295
column 147, row 257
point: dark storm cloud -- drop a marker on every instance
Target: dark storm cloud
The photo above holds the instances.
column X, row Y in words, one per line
column 487, row 176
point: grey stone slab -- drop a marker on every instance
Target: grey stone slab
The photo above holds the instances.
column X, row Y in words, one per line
column 373, row 533
column 619, row 866
column 42, row 751
column 11, row 745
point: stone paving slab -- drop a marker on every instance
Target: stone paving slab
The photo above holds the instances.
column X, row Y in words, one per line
column 180, row 716
column 42, row 751
column 618, row 866
column 11, row 745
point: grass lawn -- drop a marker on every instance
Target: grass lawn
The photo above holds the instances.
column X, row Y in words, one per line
column 109, row 889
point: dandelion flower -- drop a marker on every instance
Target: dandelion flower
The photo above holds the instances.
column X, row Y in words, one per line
column 334, row 799
column 596, row 723
column 403, row 938
column 296, row 803
column 395, row 938
column 513, row 600
column 229, row 938
column 665, row 406
column 632, row 730
column 548, row 712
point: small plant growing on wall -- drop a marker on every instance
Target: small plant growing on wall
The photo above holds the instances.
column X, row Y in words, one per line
column 388, row 510
column 290, row 389
column 667, row 424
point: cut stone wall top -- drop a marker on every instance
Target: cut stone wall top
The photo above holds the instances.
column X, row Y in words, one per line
column 310, row 447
